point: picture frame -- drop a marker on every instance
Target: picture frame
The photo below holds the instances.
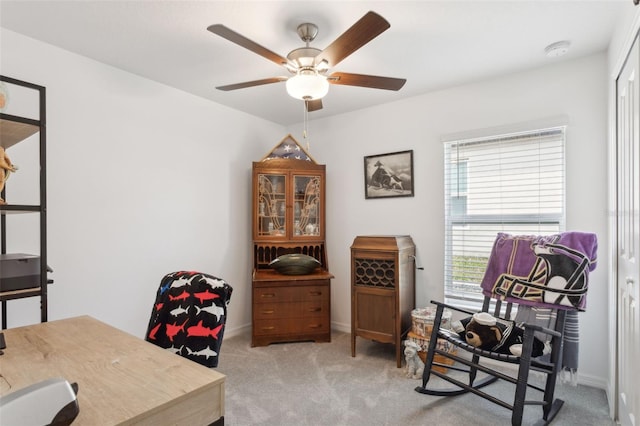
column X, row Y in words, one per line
column 388, row 175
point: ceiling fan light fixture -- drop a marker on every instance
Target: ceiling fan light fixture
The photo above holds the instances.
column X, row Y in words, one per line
column 322, row 66
column 307, row 85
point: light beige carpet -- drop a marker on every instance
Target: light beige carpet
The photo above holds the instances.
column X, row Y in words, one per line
column 315, row 384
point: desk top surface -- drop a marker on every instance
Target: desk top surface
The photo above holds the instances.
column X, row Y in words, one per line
column 121, row 378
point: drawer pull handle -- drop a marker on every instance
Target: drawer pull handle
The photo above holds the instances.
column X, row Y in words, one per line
column 315, row 309
column 268, row 312
column 315, row 326
column 268, row 328
column 315, row 293
column 268, row 295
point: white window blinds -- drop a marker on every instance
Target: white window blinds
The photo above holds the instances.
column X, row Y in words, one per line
column 511, row 183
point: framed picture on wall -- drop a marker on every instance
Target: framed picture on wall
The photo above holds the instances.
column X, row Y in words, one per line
column 388, row 175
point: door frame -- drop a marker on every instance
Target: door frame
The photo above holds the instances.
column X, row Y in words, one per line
column 616, row 66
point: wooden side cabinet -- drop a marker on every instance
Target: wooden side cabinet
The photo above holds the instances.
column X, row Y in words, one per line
column 288, row 217
column 382, row 289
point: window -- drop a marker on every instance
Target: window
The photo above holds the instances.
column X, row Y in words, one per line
column 509, row 183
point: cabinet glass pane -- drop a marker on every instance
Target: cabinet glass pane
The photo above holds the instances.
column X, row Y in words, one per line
column 272, row 206
column 306, row 205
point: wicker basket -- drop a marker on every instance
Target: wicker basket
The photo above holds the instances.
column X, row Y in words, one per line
column 439, row 359
column 442, row 345
column 422, row 320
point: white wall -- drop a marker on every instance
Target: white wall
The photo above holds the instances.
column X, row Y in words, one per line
column 142, row 180
column 574, row 91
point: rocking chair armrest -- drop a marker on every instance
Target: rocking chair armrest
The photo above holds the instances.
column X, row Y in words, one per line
column 454, row 308
column 534, row 327
column 541, row 329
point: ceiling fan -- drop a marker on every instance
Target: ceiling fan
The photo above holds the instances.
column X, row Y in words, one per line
column 310, row 66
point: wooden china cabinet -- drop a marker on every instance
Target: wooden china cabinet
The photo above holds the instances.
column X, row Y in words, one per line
column 289, row 217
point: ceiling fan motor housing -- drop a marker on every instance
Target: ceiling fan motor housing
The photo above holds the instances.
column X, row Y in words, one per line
column 304, row 57
column 307, row 31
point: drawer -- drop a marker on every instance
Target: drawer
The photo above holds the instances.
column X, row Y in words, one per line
column 290, row 294
column 287, row 326
column 291, row 310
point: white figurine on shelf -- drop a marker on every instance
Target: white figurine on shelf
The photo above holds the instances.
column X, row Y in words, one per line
column 6, row 167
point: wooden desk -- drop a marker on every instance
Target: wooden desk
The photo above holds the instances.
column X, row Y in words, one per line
column 122, row 380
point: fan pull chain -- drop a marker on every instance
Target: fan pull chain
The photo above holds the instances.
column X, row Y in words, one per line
column 305, row 120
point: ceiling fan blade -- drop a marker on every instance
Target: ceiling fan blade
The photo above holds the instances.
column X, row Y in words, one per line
column 373, row 81
column 313, row 105
column 251, row 83
column 241, row 40
column 362, row 32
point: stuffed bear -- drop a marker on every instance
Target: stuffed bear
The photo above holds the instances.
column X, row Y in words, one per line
column 484, row 331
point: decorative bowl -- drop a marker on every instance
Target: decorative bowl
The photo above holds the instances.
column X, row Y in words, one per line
column 294, row 264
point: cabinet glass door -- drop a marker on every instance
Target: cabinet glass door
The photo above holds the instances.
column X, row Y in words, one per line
column 272, row 206
column 306, row 205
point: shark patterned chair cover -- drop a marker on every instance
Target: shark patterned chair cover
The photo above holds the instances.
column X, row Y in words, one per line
column 189, row 316
column 546, row 279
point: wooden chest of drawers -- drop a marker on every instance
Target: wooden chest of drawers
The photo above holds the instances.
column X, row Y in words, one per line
column 291, row 308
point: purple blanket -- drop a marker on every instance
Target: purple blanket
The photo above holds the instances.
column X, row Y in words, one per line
column 546, row 271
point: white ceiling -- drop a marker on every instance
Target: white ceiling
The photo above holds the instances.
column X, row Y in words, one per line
column 433, row 44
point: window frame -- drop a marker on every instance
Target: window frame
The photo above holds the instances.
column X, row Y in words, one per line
column 523, row 223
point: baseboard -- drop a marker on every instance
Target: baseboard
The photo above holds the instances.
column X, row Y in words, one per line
column 337, row 326
column 236, row 331
column 592, row 381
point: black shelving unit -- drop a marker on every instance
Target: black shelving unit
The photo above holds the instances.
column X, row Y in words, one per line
column 14, row 129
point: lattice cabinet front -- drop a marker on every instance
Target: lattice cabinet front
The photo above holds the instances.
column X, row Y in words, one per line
column 382, row 289
column 380, row 273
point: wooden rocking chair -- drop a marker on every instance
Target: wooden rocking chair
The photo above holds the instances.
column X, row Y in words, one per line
column 525, row 363
column 528, row 287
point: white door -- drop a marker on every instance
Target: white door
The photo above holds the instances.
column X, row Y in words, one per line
column 628, row 247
